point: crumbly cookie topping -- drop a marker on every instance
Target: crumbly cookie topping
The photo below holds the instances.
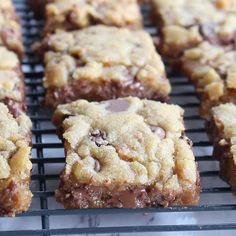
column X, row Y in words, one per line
column 10, row 29
column 213, row 70
column 14, row 146
column 9, row 76
column 75, row 14
column 215, row 64
column 188, row 23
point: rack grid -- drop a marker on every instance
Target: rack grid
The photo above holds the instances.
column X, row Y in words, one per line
column 216, row 212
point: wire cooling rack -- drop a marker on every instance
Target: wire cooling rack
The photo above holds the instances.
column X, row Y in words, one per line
column 216, row 212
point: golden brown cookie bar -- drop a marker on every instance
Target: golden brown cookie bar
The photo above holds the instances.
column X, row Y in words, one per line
column 185, row 24
column 10, row 29
column 77, row 14
column 212, row 69
column 222, row 131
column 12, row 88
column 15, row 164
column 101, row 63
column 125, row 153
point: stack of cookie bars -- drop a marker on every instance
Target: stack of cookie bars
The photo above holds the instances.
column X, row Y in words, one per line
column 15, row 135
column 125, row 147
column 198, row 39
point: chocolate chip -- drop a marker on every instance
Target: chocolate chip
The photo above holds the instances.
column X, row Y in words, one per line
column 138, row 45
column 207, row 30
column 228, row 39
column 157, row 41
column 189, row 141
column 185, row 138
column 118, row 105
column 158, row 131
column 99, row 137
column 97, row 166
column 72, row 18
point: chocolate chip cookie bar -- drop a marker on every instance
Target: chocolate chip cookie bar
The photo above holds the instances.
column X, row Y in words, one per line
column 184, row 24
column 212, row 69
column 10, row 29
column 102, row 63
column 125, row 153
column 76, row 14
column 12, row 88
column 15, row 164
column 222, row 131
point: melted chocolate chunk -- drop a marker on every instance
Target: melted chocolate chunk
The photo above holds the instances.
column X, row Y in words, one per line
column 119, row 105
column 228, row 40
column 158, row 131
column 207, row 30
column 99, row 137
column 97, row 166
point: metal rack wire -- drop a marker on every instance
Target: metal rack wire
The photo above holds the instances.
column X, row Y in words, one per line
column 217, row 201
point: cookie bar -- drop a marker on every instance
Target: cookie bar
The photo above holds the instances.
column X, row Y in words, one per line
column 77, row 14
column 15, row 164
column 12, row 88
column 10, row 29
column 125, row 153
column 212, row 69
column 184, row 24
column 101, row 63
column 222, row 131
